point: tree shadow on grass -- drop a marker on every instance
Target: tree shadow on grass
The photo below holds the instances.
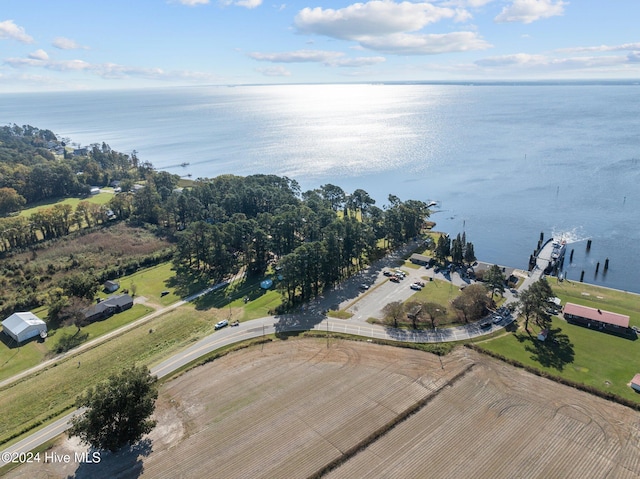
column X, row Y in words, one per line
column 555, row 352
column 127, row 462
column 247, row 289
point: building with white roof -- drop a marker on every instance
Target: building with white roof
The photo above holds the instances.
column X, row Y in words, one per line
column 23, row 326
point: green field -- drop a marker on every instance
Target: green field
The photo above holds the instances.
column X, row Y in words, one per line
column 151, row 282
column 14, row 360
column 601, row 298
column 586, row 356
column 47, row 394
column 259, row 302
column 583, row 355
column 100, row 199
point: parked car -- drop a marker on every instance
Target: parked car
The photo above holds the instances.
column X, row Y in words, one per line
column 364, row 287
column 221, row 324
column 395, row 279
column 420, row 283
column 416, row 287
column 387, row 273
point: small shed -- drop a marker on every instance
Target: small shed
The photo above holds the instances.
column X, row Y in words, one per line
column 421, row 259
column 635, row 383
column 542, row 335
column 111, row 286
column 23, row 326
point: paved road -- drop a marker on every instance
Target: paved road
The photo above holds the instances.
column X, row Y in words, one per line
column 364, row 305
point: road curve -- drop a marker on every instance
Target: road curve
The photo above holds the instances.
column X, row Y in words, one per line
column 311, row 318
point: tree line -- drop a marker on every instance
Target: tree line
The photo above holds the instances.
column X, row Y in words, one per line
column 316, row 238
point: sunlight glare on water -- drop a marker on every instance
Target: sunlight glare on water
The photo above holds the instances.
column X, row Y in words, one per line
column 347, row 129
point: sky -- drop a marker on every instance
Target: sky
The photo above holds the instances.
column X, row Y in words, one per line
column 48, row 45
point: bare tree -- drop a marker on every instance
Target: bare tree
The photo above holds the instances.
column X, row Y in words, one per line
column 393, row 312
column 434, row 312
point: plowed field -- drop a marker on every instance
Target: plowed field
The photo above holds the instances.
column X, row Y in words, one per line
column 288, row 409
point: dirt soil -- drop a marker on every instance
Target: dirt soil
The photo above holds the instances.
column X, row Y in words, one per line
column 287, row 409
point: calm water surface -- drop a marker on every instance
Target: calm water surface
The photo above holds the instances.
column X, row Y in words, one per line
column 505, row 162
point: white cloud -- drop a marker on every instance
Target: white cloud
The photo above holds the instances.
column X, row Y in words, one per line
column 427, row 44
column 515, row 59
column 192, row 3
column 540, row 63
column 299, row 56
column 248, row 3
column 358, row 62
column 377, row 17
column 40, row 59
column 634, row 57
column 242, row 3
column 9, row 30
column 602, row 48
column 328, row 58
column 39, row 55
column 390, row 27
column 528, row 11
column 467, row 3
column 275, row 71
column 67, row 44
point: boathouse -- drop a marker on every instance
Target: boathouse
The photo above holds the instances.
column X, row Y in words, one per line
column 596, row 318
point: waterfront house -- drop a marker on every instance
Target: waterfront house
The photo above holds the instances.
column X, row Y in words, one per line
column 596, row 318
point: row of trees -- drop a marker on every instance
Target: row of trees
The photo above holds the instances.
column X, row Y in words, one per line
column 58, row 220
column 318, row 237
column 459, row 249
column 30, row 171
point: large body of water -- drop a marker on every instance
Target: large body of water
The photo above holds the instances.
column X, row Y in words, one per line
column 506, row 162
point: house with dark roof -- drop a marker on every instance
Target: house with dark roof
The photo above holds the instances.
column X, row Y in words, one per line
column 596, row 318
column 108, row 307
column 111, row 286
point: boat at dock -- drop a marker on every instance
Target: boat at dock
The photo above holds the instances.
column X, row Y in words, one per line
column 549, row 257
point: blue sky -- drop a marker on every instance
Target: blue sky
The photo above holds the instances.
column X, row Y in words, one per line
column 83, row 44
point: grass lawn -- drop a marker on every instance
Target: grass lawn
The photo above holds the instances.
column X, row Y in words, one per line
column 600, row 298
column 258, row 304
column 438, row 291
column 100, row 199
column 580, row 354
column 151, row 282
column 339, row 314
column 53, row 390
column 14, row 360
